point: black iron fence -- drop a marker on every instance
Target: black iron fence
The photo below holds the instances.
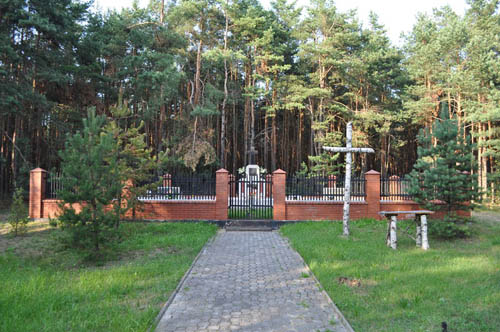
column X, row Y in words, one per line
column 180, row 187
column 250, row 197
column 166, row 187
column 323, row 188
column 395, row 188
column 53, row 185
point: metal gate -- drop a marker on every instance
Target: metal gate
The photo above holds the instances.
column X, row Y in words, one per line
column 250, row 197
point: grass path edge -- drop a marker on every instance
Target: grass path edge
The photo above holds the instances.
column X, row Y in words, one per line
column 339, row 314
column 179, row 285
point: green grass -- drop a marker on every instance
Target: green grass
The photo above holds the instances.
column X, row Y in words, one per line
column 253, row 213
column 45, row 287
column 379, row 289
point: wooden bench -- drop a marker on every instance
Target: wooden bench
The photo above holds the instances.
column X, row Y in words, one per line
column 420, row 221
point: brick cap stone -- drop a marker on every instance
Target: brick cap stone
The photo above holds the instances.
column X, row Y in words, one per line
column 37, row 170
column 222, row 170
column 279, row 171
column 372, row 172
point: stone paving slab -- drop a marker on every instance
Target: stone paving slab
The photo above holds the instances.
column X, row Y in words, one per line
column 250, row 281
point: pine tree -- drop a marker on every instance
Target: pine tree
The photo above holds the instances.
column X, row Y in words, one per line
column 134, row 164
column 90, row 177
column 18, row 216
column 441, row 172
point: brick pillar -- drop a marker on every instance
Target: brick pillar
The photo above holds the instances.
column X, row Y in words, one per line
column 373, row 194
column 221, row 194
column 37, row 192
column 279, row 195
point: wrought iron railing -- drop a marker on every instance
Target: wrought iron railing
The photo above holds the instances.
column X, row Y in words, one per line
column 250, row 197
column 180, row 187
column 395, row 188
column 323, row 188
column 53, row 185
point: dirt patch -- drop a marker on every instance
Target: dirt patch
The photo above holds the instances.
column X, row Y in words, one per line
column 33, row 243
column 349, row 282
column 136, row 255
column 491, row 217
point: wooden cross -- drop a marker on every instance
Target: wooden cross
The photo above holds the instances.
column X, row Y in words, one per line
column 348, row 163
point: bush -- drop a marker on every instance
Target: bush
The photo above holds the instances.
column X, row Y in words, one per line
column 441, row 172
column 18, row 216
column 91, row 175
column 450, row 227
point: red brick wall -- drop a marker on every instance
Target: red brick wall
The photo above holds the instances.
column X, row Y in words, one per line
column 323, row 210
column 177, row 210
column 50, row 208
column 158, row 210
column 217, row 209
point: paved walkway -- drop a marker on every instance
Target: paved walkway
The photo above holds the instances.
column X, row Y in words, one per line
column 250, row 281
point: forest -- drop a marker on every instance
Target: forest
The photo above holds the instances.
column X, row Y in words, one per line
column 208, row 81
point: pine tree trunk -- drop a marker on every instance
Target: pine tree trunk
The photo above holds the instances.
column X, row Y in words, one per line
column 223, row 111
column 481, row 159
column 235, row 140
column 197, row 78
column 299, row 140
column 246, row 119
column 492, row 170
column 274, row 150
column 274, row 137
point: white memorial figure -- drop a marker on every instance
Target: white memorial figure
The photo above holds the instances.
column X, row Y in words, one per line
column 252, row 177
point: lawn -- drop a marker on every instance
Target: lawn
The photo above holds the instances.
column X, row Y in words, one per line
column 46, row 287
column 250, row 213
column 379, row 289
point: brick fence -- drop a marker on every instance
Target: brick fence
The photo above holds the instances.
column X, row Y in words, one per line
column 41, row 207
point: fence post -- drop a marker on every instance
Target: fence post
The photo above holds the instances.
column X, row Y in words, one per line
column 232, row 182
column 394, row 187
column 221, row 194
column 37, row 192
column 269, row 179
column 279, row 195
column 373, row 194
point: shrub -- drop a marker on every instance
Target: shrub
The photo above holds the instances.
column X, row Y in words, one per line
column 441, row 172
column 90, row 177
column 18, row 216
column 450, row 227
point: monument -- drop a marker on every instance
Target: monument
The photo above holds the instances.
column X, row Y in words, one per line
column 348, row 149
column 252, row 170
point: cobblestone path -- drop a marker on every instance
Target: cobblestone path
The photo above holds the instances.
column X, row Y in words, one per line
column 250, row 281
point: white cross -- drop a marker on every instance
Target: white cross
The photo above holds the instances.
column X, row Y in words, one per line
column 348, row 162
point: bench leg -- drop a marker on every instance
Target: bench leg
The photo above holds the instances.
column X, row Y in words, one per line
column 419, row 232
column 388, row 235
column 394, row 237
column 423, row 223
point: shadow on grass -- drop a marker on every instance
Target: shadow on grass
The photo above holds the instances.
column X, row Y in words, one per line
column 407, row 289
column 58, row 291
